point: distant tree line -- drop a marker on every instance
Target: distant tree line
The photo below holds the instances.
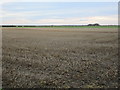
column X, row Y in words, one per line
column 96, row 24
column 8, row 26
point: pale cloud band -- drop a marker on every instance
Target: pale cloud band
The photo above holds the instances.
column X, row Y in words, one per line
column 103, row 20
column 6, row 1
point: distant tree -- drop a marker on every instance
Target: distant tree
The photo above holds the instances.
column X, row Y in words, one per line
column 90, row 25
column 96, row 24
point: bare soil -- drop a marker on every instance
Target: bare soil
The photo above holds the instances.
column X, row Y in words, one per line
column 60, row 57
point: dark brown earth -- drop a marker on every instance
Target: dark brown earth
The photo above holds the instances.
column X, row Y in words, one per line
column 59, row 57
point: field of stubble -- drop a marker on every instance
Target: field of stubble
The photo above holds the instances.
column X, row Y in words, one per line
column 59, row 57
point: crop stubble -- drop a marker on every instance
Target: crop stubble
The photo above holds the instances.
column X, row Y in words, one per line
column 60, row 57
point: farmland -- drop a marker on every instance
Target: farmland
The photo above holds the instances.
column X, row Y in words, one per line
column 59, row 57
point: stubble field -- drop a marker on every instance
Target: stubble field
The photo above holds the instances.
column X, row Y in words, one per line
column 59, row 57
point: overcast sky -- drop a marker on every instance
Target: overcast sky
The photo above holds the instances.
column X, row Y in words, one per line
column 59, row 13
